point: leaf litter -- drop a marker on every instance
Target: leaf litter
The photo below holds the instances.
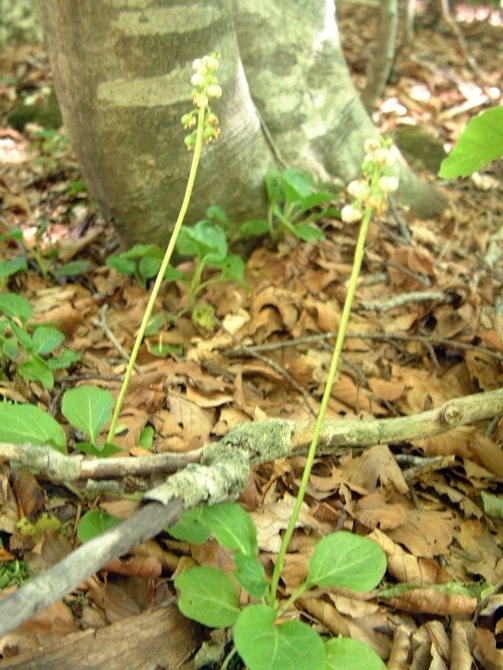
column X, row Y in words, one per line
column 426, row 328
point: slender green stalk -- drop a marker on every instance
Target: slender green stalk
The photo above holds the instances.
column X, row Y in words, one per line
column 157, row 286
column 359, row 251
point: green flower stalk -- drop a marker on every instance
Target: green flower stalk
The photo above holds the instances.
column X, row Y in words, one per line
column 371, row 198
column 206, row 129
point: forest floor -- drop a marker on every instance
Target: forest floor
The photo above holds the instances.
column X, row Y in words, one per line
column 427, row 327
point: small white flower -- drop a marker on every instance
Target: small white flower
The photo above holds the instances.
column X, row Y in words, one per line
column 197, row 80
column 383, row 157
column 371, row 145
column 388, row 184
column 210, row 63
column 358, row 188
column 214, row 91
column 350, row 214
column 197, row 64
column 200, row 100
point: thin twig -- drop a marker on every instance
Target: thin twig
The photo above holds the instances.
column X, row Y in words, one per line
column 275, row 366
column 406, row 298
column 102, row 323
column 384, row 337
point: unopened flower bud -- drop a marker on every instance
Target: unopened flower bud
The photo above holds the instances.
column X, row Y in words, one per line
column 190, row 141
column 371, row 145
column 350, row 214
column 388, row 184
column 199, row 100
column 189, row 120
column 373, row 201
column 382, row 157
column 212, row 119
column 358, row 188
column 198, row 80
column 210, row 63
column 214, row 91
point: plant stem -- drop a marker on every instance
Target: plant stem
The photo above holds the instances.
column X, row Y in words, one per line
column 157, row 286
column 357, row 263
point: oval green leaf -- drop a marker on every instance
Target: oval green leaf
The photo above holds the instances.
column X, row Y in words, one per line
column 346, row 560
column 88, row 408
column 20, row 424
column 262, row 645
column 349, row 654
column 208, row 595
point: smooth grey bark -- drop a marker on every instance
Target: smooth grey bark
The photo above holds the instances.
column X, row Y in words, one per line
column 300, row 82
column 122, row 72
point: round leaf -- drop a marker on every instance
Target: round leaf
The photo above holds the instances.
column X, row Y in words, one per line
column 347, row 560
column 27, row 423
column 208, row 595
column 262, row 645
column 344, row 652
column 88, row 408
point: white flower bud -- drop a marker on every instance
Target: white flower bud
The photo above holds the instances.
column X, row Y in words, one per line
column 198, row 80
column 371, row 145
column 350, row 214
column 197, row 64
column 383, row 157
column 214, row 91
column 387, row 184
column 199, row 100
column 210, row 63
column 358, row 188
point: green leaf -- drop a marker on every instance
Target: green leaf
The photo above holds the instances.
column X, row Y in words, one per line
column 250, row 574
column 206, row 240
column 296, row 184
column 233, row 268
column 493, row 505
column 218, row 214
column 9, row 268
column 27, row 423
column 23, row 337
column 208, row 596
column 88, row 408
column 191, row 528
column 46, row 338
column 348, row 654
column 274, row 185
column 141, row 250
column 104, row 451
column 10, row 349
column 65, row 360
column 37, row 370
column 14, row 305
column 343, row 559
column 94, row 523
column 72, row 269
column 173, row 274
column 309, row 233
column 12, row 235
column 233, row 527
column 149, row 266
column 262, row 645
column 146, row 437
column 480, row 143
column 77, row 186
column 254, row 227
column 314, row 200
column 124, row 266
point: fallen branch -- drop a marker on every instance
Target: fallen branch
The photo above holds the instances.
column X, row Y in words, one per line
column 222, row 475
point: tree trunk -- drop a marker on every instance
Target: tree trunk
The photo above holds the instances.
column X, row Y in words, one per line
column 300, row 83
column 122, row 74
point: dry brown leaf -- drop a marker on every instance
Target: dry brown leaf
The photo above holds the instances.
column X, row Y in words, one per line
column 429, row 601
column 425, row 534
